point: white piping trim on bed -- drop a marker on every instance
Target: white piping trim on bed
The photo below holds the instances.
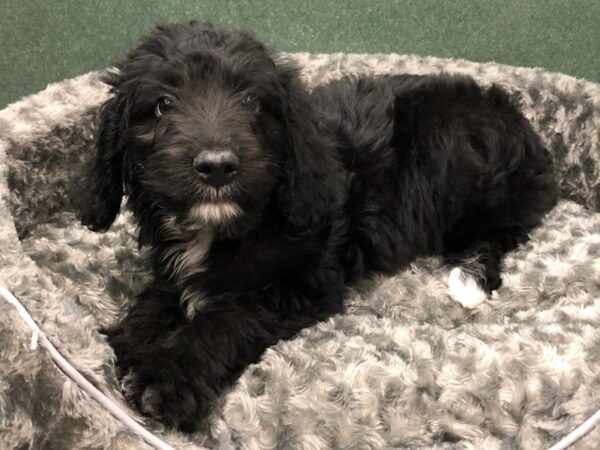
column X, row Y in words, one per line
column 577, row 433
column 66, row 367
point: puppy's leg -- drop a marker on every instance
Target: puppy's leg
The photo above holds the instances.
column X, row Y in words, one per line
column 174, row 369
column 154, row 360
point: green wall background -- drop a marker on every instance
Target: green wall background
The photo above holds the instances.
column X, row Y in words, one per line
column 43, row 41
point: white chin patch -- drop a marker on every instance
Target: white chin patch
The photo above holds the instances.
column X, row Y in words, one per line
column 215, row 213
column 464, row 289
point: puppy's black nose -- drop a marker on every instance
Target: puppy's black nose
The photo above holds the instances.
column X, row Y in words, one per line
column 217, row 167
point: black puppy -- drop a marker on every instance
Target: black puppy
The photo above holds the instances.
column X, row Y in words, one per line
column 262, row 201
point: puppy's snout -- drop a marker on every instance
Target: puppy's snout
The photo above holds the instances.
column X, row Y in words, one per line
column 216, row 167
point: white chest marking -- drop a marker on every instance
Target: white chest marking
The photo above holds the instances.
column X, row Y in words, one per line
column 184, row 259
column 191, row 242
column 192, row 301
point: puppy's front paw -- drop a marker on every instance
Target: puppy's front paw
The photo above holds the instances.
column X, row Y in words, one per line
column 464, row 289
column 162, row 383
column 166, row 396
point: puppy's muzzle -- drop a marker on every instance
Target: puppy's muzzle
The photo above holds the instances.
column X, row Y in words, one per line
column 216, row 168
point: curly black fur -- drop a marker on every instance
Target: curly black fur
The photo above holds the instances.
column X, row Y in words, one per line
column 360, row 176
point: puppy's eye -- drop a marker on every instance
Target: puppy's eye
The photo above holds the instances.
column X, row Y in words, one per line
column 163, row 105
column 250, row 100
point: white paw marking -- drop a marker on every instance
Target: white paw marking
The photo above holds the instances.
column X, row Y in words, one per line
column 464, row 289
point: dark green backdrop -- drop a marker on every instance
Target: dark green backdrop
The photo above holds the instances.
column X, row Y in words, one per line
column 42, row 41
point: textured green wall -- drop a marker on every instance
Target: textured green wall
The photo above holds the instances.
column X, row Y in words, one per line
column 42, row 41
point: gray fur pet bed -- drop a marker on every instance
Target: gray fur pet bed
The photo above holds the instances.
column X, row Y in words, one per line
column 404, row 367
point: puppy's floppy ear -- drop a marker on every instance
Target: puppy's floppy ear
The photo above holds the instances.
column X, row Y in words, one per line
column 312, row 187
column 105, row 190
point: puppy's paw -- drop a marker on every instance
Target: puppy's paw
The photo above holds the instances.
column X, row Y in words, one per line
column 156, row 381
column 176, row 406
column 170, row 400
column 464, row 289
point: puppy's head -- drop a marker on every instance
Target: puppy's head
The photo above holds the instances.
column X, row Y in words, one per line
column 206, row 128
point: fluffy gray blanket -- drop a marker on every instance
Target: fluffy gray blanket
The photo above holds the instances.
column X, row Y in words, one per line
column 404, row 367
